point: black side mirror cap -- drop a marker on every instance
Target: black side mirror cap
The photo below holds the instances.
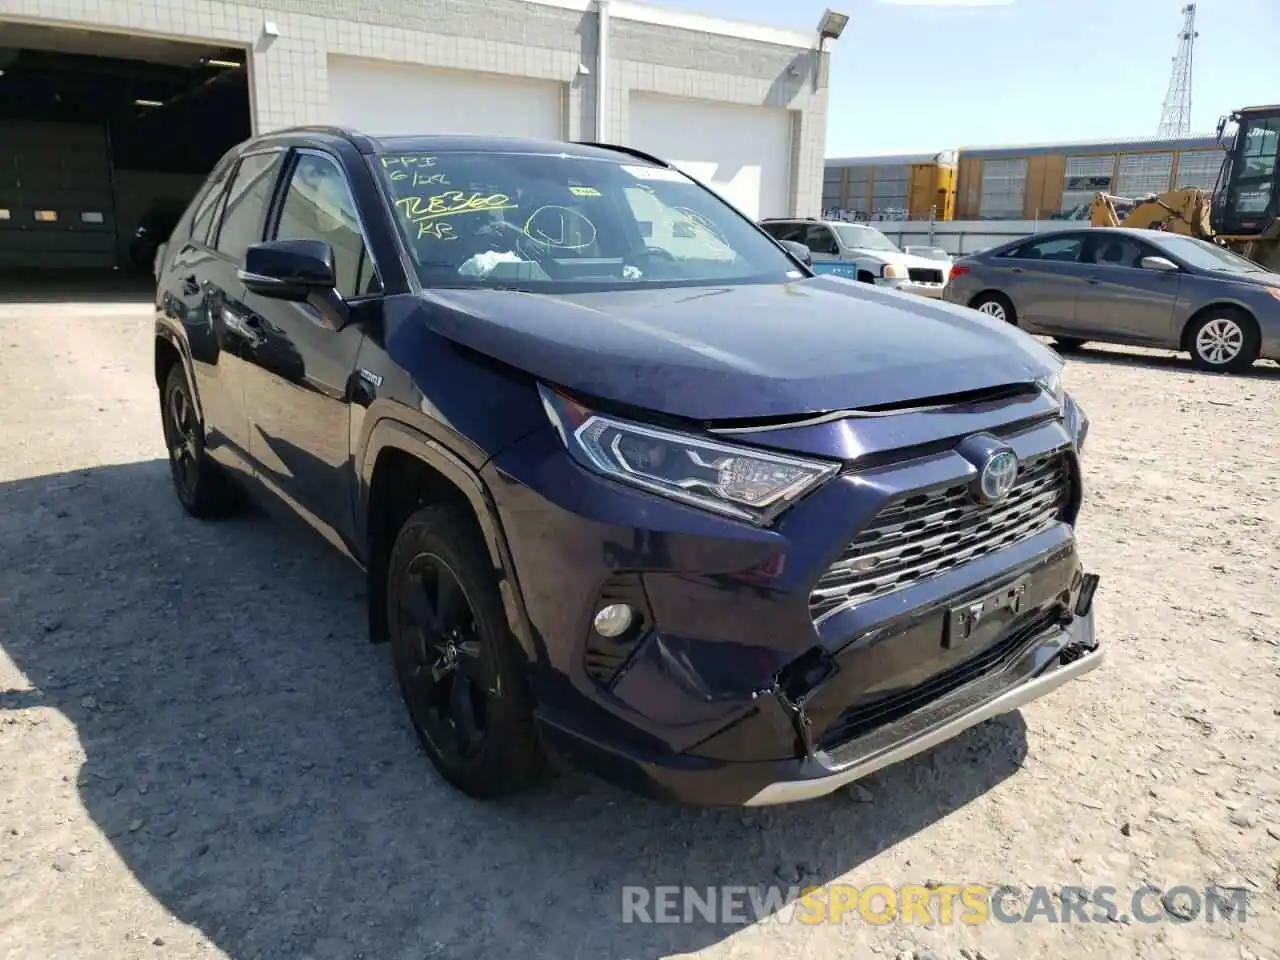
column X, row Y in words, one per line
column 799, row 251
column 288, row 269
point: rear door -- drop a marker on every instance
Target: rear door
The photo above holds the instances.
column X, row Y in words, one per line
column 234, row 327
column 1042, row 278
column 1121, row 300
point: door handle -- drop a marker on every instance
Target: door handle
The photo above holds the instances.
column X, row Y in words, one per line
column 247, row 327
column 190, row 286
column 1092, row 280
column 1016, row 270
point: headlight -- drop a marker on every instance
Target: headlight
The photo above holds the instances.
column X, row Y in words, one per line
column 893, row 271
column 1077, row 421
column 1052, row 385
column 749, row 484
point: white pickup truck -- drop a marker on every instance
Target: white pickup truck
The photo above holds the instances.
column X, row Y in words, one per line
column 861, row 252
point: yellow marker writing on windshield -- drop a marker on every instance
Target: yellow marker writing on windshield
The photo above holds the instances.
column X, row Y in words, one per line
column 451, row 204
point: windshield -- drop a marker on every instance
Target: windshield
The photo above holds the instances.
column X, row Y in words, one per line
column 532, row 221
column 859, row 237
column 1208, row 256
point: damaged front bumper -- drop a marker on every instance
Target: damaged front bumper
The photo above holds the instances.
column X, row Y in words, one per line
column 1044, row 667
column 1023, row 667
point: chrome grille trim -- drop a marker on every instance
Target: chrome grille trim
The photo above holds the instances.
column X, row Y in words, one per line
column 926, row 533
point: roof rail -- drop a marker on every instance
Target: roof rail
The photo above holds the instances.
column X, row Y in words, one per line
column 629, row 151
column 362, row 142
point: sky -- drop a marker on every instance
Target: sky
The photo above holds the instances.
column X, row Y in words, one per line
column 917, row 76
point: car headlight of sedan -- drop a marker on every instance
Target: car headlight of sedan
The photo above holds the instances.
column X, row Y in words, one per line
column 893, row 271
column 742, row 482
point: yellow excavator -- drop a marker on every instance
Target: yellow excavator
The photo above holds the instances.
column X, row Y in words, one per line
column 1242, row 212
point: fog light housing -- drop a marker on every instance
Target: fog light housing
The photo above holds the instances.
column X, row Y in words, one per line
column 613, row 620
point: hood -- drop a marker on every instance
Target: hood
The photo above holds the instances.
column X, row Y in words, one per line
column 908, row 260
column 744, row 351
column 1260, row 279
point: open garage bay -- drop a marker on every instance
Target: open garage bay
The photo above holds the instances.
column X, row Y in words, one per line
column 104, row 138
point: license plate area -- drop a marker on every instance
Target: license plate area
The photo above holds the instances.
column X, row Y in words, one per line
column 983, row 618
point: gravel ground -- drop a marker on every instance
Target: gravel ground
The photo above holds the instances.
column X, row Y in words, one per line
column 201, row 756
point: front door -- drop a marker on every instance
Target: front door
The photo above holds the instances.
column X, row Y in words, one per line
column 301, row 381
column 1119, row 298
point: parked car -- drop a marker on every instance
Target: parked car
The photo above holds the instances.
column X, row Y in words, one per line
column 1137, row 287
column 151, row 234
column 861, row 252
column 657, row 500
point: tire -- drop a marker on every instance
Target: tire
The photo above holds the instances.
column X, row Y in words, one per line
column 455, row 659
column 1068, row 344
column 1224, row 340
column 202, row 489
column 996, row 306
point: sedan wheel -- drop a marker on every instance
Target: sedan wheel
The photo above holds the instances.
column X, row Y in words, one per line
column 995, row 305
column 1224, row 341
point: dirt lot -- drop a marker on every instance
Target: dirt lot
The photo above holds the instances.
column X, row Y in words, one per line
column 201, row 756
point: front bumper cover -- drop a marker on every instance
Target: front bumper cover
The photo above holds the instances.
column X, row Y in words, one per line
column 1055, row 657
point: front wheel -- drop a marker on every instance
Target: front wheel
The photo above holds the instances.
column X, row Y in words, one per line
column 1224, row 340
column 455, row 658
column 997, row 306
column 1068, row 344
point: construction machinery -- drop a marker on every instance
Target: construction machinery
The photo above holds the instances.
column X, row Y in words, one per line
column 1242, row 212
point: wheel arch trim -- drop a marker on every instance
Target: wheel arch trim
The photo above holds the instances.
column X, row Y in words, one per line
column 166, row 333
column 1232, row 306
column 389, row 433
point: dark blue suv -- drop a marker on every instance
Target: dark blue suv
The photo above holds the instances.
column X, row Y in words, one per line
column 630, row 486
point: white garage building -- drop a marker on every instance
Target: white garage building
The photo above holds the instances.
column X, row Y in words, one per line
column 740, row 106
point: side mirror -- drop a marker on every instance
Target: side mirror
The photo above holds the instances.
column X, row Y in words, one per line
column 799, row 251
column 288, row 269
column 1161, row 264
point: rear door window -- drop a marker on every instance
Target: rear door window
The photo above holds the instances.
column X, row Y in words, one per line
column 208, row 202
column 245, row 204
column 1057, row 249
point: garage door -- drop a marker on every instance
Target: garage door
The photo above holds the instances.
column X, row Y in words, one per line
column 383, row 99
column 56, row 202
column 743, row 152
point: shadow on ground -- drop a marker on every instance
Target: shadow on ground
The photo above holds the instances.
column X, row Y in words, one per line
column 76, row 286
column 1174, row 362
column 248, row 756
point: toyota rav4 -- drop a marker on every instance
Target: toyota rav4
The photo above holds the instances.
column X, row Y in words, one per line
column 629, row 484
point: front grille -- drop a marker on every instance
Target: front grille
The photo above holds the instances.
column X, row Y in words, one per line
column 927, row 533
column 924, row 275
column 863, row 718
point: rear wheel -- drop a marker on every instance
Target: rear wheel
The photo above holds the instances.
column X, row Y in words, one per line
column 1068, row 344
column 1225, row 340
column 455, row 658
column 996, row 306
column 202, row 489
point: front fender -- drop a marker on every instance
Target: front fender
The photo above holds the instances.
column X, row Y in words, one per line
column 388, row 433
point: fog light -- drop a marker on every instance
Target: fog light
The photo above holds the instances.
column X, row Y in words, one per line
column 613, row 620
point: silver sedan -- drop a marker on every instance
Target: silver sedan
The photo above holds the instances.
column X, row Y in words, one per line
column 1137, row 287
